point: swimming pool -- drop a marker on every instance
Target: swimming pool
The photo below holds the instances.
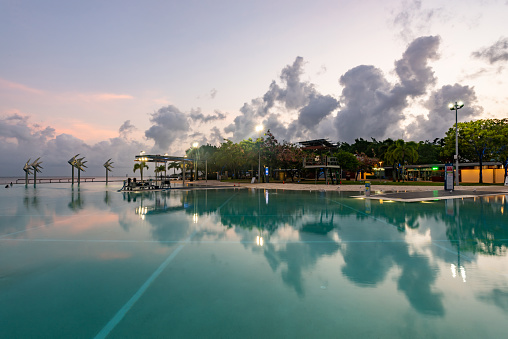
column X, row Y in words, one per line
column 91, row 262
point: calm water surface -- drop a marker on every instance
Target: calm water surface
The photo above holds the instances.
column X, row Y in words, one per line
column 92, row 262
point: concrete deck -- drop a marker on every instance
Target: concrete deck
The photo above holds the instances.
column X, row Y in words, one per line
column 411, row 196
column 385, row 192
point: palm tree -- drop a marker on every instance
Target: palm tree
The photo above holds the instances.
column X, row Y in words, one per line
column 160, row 169
column 174, row 165
column 139, row 166
column 401, row 152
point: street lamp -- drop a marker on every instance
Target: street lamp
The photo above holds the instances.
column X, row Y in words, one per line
column 195, row 145
column 456, row 106
column 259, row 128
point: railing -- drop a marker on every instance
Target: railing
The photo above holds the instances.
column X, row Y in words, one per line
column 321, row 161
column 55, row 180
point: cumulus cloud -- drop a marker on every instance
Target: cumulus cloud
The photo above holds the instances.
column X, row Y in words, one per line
column 20, row 140
column 215, row 136
column 414, row 73
column 291, row 97
column 414, row 20
column 126, row 129
column 440, row 118
column 319, row 107
column 213, row 93
column 370, row 106
column 498, row 52
column 17, row 130
column 197, row 115
column 168, row 125
column 374, row 107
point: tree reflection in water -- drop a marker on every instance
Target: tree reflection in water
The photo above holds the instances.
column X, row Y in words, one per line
column 371, row 237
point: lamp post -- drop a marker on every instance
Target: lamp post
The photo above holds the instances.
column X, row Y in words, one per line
column 195, row 146
column 456, row 106
column 259, row 128
column 183, row 169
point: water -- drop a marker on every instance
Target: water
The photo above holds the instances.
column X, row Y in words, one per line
column 93, row 262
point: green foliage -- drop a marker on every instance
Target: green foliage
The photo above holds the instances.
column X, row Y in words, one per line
column 479, row 141
column 429, row 152
column 347, row 160
column 140, row 166
column 400, row 153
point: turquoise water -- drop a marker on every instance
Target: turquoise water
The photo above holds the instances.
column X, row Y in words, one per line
column 239, row 263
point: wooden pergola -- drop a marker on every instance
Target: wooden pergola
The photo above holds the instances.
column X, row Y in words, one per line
column 325, row 162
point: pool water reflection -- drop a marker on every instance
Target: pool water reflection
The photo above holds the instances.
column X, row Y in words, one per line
column 90, row 261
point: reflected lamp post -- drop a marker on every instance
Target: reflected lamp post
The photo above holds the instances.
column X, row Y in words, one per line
column 455, row 107
column 259, row 128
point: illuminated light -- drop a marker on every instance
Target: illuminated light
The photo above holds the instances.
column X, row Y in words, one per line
column 435, row 168
column 451, row 106
column 259, row 241
column 381, row 201
column 195, row 144
column 259, row 128
column 454, row 270
column 195, row 218
column 463, row 273
column 460, row 103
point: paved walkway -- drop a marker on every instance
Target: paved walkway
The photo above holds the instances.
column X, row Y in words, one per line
column 375, row 189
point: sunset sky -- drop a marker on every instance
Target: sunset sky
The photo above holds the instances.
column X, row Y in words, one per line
column 108, row 79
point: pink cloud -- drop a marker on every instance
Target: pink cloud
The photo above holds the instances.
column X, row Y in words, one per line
column 85, row 131
column 112, row 96
column 5, row 84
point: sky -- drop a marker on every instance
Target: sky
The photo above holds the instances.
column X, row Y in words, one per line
column 108, row 79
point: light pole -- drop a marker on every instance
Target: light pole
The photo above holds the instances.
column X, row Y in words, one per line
column 456, row 106
column 259, row 128
column 183, row 170
column 195, row 146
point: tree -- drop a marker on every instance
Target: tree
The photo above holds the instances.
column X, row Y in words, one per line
column 401, row 152
column 429, row 152
column 501, row 143
column 159, row 169
column 269, row 150
column 365, row 163
column 139, row 166
column 290, row 156
column 229, row 155
column 347, row 161
column 174, row 165
column 477, row 141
